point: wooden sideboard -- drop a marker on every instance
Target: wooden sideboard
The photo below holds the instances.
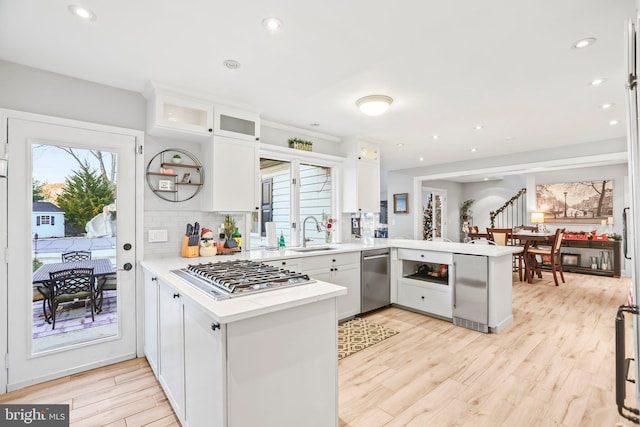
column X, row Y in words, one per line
column 593, row 247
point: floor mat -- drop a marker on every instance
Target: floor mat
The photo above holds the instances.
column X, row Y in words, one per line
column 358, row 334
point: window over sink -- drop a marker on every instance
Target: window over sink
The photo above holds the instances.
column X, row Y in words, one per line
column 292, row 190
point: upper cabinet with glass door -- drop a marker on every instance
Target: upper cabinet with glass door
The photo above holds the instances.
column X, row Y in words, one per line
column 171, row 113
column 235, row 123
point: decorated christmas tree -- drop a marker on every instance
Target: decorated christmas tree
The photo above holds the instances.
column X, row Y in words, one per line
column 427, row 220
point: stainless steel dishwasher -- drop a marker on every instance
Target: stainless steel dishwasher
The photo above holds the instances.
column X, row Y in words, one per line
column 375, row 284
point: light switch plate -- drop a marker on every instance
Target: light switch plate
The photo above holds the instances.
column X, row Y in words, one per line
column 156, row 236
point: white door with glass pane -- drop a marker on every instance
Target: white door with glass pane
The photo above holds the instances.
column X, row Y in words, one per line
column 41, row 150
column 434, row 221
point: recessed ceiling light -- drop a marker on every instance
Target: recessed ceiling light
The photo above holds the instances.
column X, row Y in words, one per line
column 82, row 12
column 614, row 122
column 478, row 127
column 598, row 81
column 272, row 24
column 473, row 150
column 231, row 64
column 485, row 179
column 421, row 158
column 581, row 44
column 436, row 136
column 607, row 106
column 399, row 144
column 374, row 105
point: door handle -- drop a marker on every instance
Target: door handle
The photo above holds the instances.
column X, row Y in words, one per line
column 127, row 266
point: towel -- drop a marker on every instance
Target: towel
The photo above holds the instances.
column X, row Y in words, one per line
column 272, row 237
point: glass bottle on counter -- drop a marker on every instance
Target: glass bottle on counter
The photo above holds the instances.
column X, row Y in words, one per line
column 281, row 243
column 237, row 237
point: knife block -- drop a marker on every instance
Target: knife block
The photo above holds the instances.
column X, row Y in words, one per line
column 189, row 251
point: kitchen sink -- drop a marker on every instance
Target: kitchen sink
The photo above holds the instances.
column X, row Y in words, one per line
column 314, row 249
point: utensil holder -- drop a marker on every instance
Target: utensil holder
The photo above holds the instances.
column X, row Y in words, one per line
column 189, row 251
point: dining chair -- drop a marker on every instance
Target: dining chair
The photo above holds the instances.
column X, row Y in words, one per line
column 552, row 253
column 68, row 286
column 504, row 237
column 76, row 256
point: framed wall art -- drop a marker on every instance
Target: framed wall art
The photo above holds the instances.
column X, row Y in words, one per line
column 583, row 202
column 401, row 203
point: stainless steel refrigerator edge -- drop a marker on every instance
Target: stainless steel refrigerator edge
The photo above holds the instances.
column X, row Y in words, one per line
column 471, row 292
column 375, row 282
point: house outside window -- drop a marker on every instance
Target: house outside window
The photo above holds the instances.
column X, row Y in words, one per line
column 292, row 190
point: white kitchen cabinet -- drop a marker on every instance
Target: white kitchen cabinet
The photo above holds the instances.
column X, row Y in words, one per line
column 204, row 368
column 423, row 281
column 151, row 320
column 291, row 264
column 276, row 369
column 361, row 181
column 171, row 113
column 171, row 375
column 425, row 297
column 235, row 123
column 232, row 168
column 341, row 269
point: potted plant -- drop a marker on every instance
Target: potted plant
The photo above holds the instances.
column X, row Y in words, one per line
column 176, row 158
column 465, row 209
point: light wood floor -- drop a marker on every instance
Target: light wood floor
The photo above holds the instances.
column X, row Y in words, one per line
column 554, row 366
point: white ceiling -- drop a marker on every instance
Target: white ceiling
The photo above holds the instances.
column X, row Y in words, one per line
column 449, row 65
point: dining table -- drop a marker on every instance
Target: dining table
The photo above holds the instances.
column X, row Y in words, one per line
column 531, row 238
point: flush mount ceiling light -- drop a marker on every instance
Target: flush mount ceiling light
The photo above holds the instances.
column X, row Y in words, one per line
column 581, row 44
column 598, row 81
column 614, row 122
column 436, row 136
column 399, row 144
column 374, row 105
column 231, row 64
column 473, row 150
column 606, row 106
column 272, row 24
column 479, row 127
column 421, row 158
column 82, row 12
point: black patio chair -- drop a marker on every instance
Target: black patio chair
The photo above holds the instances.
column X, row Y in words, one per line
column 69, row 285
column 76, row 256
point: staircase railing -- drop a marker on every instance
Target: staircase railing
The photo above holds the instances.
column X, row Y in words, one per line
column 512, row 213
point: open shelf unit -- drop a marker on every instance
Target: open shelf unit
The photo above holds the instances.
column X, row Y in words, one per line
column 175, row 182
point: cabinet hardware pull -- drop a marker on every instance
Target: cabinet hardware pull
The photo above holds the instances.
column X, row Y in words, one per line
column 210, row 130
column 215, row 326
column 154, row 279
column 176, row 295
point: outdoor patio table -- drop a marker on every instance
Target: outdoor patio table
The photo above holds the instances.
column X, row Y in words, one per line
column 101, row 268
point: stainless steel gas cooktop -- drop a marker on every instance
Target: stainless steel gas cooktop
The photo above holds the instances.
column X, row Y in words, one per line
column 229, row 279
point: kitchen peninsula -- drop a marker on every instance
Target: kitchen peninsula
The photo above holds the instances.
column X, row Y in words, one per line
column 219, row 361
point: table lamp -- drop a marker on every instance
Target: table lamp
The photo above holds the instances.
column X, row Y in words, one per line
column 538, row 218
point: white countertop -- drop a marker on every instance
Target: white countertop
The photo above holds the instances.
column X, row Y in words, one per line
column 225, row 311
column 234, row 309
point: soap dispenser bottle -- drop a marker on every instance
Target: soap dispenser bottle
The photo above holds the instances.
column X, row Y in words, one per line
column 281, row 243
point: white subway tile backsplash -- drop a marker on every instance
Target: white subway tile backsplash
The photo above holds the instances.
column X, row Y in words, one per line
column 175, row 222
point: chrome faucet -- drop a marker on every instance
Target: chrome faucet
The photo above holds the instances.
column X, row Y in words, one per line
column 304, row 230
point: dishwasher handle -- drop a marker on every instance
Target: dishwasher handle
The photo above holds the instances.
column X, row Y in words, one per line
column 368, row 257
